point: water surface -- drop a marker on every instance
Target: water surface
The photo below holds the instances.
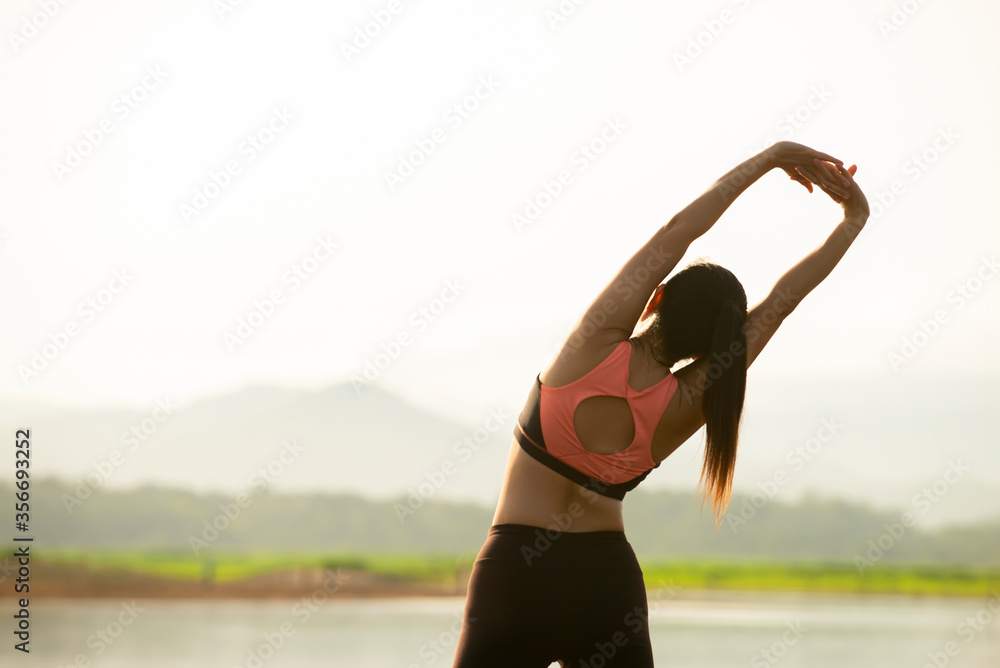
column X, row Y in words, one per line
column 722, row 629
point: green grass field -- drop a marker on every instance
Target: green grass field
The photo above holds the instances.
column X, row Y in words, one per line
column 926, row 580
column 687, row 574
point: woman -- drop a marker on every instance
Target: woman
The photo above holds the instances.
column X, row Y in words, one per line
column 556, row 579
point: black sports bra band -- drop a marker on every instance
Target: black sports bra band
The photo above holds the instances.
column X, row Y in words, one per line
column 612, row 490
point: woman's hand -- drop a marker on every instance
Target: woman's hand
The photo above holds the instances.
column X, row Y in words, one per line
column 801, row 164
column 855, row 206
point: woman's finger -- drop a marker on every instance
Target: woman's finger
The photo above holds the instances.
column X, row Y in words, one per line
column 836, row 196
column 848, row 174
column 803, row 179
column 834, row 171
column 798, row 178
column 827, row 173
column 827, row 186
column 808, row 173
column 828, row 158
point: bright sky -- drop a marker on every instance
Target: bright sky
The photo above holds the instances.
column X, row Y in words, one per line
column 189, row 164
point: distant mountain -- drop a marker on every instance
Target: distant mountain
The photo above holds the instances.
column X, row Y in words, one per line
column 850, row 438
column 660, row 525
column 369, row 442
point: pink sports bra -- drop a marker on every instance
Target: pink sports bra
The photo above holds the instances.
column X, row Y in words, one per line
column 545, row 426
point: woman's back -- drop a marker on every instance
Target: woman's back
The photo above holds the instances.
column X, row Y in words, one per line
column 605, row 431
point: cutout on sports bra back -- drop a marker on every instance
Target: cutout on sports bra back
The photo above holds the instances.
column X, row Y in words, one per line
column 604, row 425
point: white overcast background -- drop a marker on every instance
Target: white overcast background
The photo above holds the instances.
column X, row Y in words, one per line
column 685, row 91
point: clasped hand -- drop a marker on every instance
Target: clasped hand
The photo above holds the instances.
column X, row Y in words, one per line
column 809, row 166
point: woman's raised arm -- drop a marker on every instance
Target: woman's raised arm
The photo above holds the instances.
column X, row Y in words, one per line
column 764, row 319
column 612, row 316
column 798, row 161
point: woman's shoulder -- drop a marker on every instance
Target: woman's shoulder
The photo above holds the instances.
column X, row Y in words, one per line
column 574, row 363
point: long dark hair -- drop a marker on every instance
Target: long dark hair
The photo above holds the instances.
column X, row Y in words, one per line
column 703, row 313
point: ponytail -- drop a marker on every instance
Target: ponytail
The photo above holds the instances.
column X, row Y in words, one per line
column 722, row 404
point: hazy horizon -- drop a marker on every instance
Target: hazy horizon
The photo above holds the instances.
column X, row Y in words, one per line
column 846, row 442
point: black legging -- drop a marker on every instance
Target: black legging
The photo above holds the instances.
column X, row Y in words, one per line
column 538, row 596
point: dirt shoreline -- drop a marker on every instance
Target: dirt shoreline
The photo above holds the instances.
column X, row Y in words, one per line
column 62, row 582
